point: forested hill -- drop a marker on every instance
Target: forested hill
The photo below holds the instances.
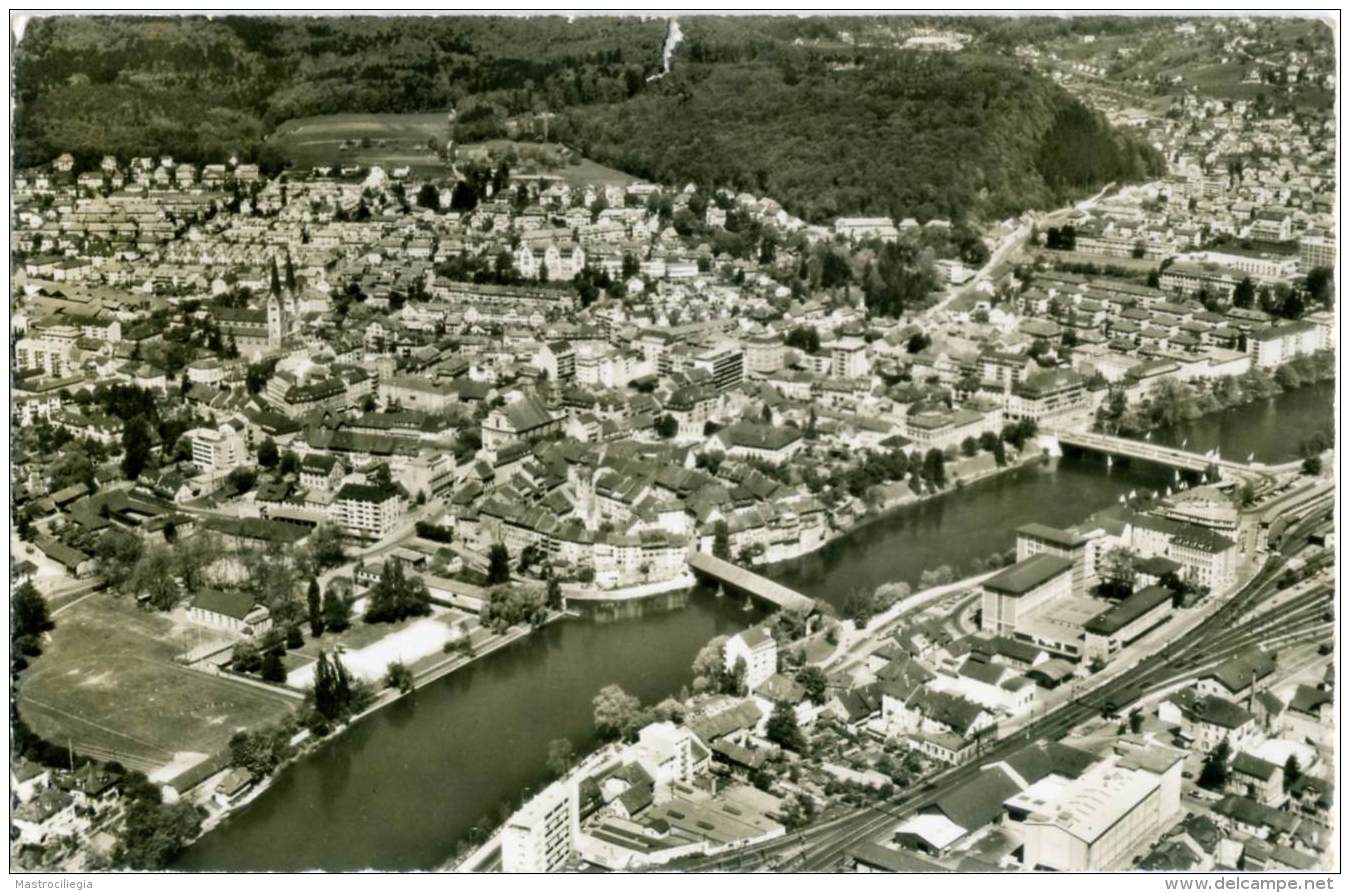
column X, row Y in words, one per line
column 902, row 134
column 202, row 89
column 778, row 106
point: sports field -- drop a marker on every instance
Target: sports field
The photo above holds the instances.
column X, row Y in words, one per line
column 106, row 682
column 396, row 140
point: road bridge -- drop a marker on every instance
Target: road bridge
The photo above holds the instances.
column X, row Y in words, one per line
column 707, row 566
column 1143, row 450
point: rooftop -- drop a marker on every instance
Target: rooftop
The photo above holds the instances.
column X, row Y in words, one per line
column 1028, row 574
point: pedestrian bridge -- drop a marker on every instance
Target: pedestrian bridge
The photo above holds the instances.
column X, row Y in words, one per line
column 1142, row 450
column 706, row 566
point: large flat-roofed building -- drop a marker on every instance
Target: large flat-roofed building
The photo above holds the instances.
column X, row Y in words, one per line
column 765, row 353
column 1121, row 624
column 1019, row 590
column 368, row 511
column 1095, row 822
column 726, row 364
column 539, row 836
column 1042, row 539
column 1276, row 345
column 1316, row 249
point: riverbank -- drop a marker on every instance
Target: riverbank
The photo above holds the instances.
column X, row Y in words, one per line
column 688, row 581
column 529, row 696
column 431, row 670
column 1173, row 403
column 1029, row 457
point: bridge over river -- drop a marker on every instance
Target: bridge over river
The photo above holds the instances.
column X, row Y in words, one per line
column 708, row 566
column 1167, row 456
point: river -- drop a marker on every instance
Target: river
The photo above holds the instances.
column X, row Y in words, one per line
column 403, row 787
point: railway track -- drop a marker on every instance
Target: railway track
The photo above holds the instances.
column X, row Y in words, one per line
column 1218, row 638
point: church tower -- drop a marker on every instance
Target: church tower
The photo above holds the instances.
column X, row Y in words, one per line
column 277, row 322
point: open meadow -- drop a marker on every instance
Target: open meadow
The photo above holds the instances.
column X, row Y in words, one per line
column 107, row 684
column 397, row 140
column 389, row 140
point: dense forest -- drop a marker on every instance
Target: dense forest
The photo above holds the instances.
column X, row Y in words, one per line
column 203, row 89
column 903, row 134
column 782, row 106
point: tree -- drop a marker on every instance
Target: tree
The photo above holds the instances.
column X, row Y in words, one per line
column 1136, row 721
column 507, row 606
column 336, row 612
column 272, row 669
column 430, row 197
column 561, row 756
column 934, row 468
column 118, row 552
column 245, row 657
column 333, row 696
column 815, row 682
column 153, row 833
column 193, row 556
column 396, row 596
column 710, row 665
column 28, row 610
column 1214, row 772
column 937, row 576
column 859, row 607
column 553, row 597
column 241, row 479
column 324, row 548
column 136, row 447
column 616, row 713
column 499, row 565
column 721, row 547
column 73, row 467
column 261, row 751
column 783, row 730
column 397, row 675
column 667, row 427
column 268, row 456
column 314, row 604
column 153, row 577
column 1318, row 286
column 1312, row 465
column 1244, row 293
column 1118, row 572
column 1292, row 772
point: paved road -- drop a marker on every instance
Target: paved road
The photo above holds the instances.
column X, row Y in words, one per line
column 822, row 846
column 1015, row 240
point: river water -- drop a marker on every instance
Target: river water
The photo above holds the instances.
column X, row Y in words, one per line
column 403, row 787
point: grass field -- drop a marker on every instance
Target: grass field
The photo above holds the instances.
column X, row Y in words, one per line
column 106, row 682
column 584, row 173
column 395, row 140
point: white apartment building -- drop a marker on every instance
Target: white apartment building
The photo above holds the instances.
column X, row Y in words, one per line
column 540, row 836
column 1276, row 345
column 217, row 450
column 367, row 511
column 1316, row 249
column 759, row 651
column 53, row 356
column 848, row 358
